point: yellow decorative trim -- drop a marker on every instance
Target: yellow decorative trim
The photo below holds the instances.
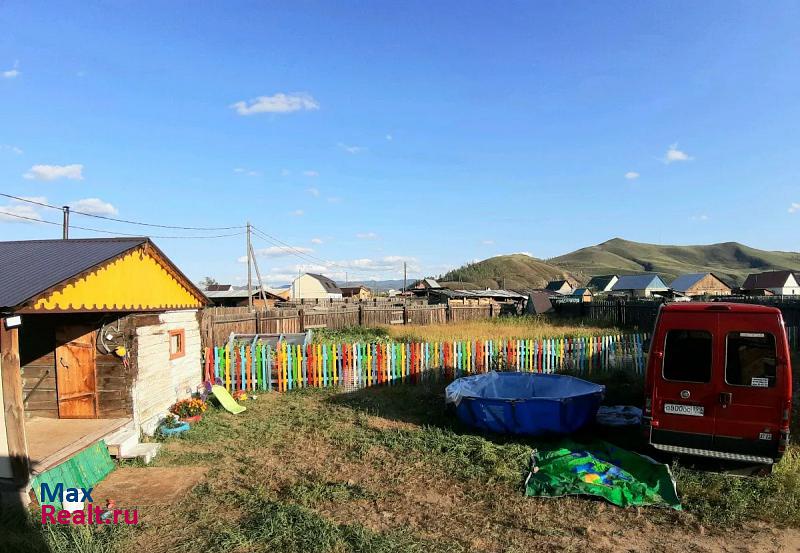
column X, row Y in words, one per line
column 135, row 281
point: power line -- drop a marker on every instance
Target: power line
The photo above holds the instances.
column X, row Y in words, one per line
column 35, row 220
column 107, row 218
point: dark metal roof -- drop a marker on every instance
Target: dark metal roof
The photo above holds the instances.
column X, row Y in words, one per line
column 30, row 267
column 600, row 282
column 329, row 285
column 556, row 285
column 769, row 279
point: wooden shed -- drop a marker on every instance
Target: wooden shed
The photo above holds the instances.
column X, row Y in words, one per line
column 98, row 338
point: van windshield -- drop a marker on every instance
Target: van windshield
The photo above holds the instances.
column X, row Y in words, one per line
column 687, row 356
column 750, row 359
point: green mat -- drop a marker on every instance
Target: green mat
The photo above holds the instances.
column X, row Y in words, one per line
column 601, row 469
column 226, row 400
column 83, row 470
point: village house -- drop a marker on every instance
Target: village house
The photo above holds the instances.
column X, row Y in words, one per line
column 602, row 283
column 585, row 294
column 700, row 284
column 314, row 286
column 99, row 337
column 356, row 292
column 560, row 287
column 640, row 286
column 781, row 283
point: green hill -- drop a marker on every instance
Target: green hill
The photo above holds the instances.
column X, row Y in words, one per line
column 520, row 271
column 729, row 260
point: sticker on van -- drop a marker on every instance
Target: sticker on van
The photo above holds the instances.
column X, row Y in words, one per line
column 751, row 334
column 759, row 382
column 691, row 410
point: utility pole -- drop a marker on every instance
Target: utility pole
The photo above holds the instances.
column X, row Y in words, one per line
column 65, row 223
column 258, row 275
column 405, row 276
column 249, row 270
column 345, row 278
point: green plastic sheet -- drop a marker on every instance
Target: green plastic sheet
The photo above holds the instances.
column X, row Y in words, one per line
column 601, row 469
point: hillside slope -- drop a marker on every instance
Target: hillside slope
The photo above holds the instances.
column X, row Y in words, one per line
column 519, row 271
column 730, row 260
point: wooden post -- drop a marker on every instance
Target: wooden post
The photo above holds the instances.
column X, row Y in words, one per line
column 302, row 320
column 14, row 410
column 360, row 315
column 405, row 314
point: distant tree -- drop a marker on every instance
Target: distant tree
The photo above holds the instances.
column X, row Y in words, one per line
column 208, row 281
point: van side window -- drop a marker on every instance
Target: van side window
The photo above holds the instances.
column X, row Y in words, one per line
column 687, row 356
column 750, row 359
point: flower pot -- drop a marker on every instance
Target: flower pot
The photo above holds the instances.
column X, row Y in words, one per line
column 193, row 419
column 182, row 427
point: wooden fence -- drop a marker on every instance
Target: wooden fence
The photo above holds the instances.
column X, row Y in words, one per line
column 641, row 314
column 253, row 365
column 218, row 323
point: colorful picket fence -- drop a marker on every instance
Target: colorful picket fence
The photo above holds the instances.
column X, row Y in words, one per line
column 253, row 365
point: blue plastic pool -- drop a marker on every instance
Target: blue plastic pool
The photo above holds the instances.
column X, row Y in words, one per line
column 530, row 404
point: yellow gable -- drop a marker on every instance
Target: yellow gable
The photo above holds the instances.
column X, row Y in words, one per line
column 137, row 280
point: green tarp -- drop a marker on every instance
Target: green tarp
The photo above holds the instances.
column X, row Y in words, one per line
column 601, row 469
column 83, row 470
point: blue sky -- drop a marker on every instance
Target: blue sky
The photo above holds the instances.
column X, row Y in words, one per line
column 365, row 134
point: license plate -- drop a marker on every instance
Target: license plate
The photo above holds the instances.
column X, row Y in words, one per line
column 764, row 436
column 690, row 410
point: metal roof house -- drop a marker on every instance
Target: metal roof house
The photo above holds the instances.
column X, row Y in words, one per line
column 314, row 286
column 642, row 286
column 560, row 287
column 782, row 283
column 602, row 283
column 585, row 294
column 700, row 284
column 98, row 338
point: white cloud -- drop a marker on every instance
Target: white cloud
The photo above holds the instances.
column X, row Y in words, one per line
column 13, row 72
column 246, row 172
column 389, row 137
column 297, row 213
column 311, row 173
column 351, row 149
column 316, row 240
column 313, row 191
column 11, row 148
column 277, row 103
column 22, row 209
column 701, row 217
column 487, row 242
column 794, row 208
column 54, row 172
column 632, row 175
column 335, row 200
column 674, row 154
column 285, row 172
column 277, row 251
column 367, row 236
column 94, row 206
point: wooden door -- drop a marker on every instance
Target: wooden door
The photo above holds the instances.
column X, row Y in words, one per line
column 76, row 378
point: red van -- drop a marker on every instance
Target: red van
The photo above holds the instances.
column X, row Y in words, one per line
column 719, row 382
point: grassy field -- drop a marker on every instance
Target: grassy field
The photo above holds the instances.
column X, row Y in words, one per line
column 389, row 469
column 484, row 329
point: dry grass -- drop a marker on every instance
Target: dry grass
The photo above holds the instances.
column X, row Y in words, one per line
column 500, row 328
column 389, row 470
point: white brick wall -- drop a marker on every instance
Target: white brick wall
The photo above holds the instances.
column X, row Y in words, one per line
column 160, row 382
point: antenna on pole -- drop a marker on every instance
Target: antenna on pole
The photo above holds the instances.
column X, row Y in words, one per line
column 249, row 270
column 65, row 223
